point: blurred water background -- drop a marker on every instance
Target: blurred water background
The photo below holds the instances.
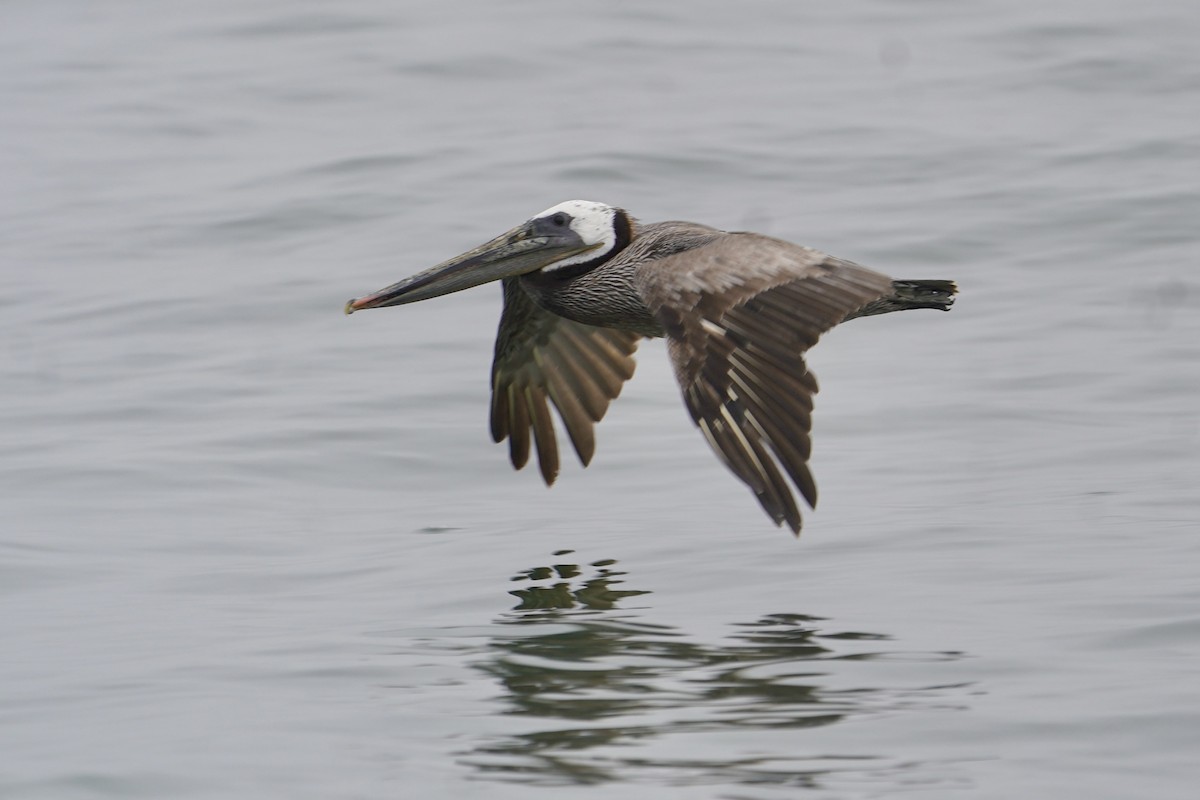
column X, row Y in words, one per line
column 250, row 547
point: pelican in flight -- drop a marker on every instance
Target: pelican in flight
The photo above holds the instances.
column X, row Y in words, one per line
column 584, row 282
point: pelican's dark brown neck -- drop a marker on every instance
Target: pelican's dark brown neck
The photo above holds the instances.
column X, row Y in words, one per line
column 600, row 292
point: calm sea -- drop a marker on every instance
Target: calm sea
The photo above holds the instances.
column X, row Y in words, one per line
column 252, row 548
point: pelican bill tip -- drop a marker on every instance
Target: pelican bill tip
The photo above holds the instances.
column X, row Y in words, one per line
column 349, row 309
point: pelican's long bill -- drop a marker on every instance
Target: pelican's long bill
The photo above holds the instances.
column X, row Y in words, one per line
column 525, row 248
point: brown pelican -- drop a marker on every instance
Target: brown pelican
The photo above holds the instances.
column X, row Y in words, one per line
column 584, row 282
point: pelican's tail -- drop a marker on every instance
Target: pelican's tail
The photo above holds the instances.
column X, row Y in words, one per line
column 911, row 294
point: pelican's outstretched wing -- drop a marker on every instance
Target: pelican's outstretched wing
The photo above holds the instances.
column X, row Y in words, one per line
column 541, row 356
column 739, row 312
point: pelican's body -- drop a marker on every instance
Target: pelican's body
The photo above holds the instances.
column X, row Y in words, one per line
column 584, row 281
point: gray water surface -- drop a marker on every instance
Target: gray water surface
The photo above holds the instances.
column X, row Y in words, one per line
column 252, row 548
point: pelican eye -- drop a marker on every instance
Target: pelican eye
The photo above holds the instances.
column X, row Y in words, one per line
column 559, row 220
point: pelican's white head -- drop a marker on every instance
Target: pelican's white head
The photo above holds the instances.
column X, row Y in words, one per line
column 596, row 224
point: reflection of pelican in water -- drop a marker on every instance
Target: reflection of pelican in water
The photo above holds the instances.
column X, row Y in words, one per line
column 551, row 587
column 580, row 686
column 584, row 282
